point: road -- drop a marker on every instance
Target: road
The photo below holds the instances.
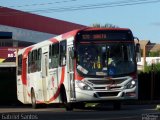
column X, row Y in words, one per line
column 128, row 112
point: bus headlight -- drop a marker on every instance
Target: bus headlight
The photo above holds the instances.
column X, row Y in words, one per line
column 83, row 85
column 130, row 84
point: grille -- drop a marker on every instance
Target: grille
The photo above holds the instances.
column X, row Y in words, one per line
column 107, row 94
column 101, row 82
column 99, row 87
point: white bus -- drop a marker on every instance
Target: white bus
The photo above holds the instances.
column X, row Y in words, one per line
column 85, row 65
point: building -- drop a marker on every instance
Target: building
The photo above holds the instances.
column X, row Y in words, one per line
column 27, row 28
column 17, row 30
column 31, row 27
column 147, row 48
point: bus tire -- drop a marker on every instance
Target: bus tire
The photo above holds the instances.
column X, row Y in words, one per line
column 33, row 99
column 68, row 106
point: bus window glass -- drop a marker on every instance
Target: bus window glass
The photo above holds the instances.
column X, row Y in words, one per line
column 116, row 59
column 63, row 53
column 39, row 59
column 19, row 64
column 105, row 53
column 33, row 65
column 29, row 62
column 54, row 56
column 50, row 51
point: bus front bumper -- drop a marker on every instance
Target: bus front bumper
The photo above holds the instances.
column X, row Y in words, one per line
column 85, row 95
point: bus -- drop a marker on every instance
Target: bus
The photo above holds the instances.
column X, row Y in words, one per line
column 81, row 66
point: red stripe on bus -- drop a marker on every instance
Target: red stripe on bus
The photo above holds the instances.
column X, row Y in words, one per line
column 53, row 40
column 25, row 54
column 24, row 66
column 58, row 90
column 61, row 82
column 69, row 34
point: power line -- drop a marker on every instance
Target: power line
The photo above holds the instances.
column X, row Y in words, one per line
column 43, row 4
column 88, row 6
column 96, row 6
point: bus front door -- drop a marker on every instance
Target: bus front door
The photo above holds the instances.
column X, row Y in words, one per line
column 70, row 71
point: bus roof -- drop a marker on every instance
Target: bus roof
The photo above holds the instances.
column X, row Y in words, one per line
column 67, row 35
column 74, row 32
column 94, row 29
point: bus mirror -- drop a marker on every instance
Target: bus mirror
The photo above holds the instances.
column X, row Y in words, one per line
column 138, row 52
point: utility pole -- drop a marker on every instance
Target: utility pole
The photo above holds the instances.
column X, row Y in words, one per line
column 144, row 56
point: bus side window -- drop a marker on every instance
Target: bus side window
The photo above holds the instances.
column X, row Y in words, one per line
column 50, row 56
column 63, row 45
column 29, row 62
column 19, row 64
column 39, row 59
column 55, row 54
column 34, row 61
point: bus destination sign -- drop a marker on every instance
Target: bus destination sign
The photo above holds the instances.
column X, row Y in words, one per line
column 94, row 36
column 118, row 35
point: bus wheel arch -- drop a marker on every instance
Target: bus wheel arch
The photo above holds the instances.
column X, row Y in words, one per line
column 33, row 98
column 63, row 97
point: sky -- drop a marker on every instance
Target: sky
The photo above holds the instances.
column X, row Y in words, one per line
column 141, row 16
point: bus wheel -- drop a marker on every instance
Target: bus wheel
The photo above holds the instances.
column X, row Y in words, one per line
column 117, row 105
column 33, row 99
column 68, row 106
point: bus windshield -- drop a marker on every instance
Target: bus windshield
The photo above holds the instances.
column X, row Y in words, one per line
column 105, row 59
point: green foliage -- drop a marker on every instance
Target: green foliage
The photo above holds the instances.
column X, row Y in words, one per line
column 96, row 25
column 153, row 67
column 157, row 67
column 153, row 54
column 147, row 68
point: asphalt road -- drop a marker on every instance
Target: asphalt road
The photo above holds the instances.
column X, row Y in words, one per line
column 128, row 112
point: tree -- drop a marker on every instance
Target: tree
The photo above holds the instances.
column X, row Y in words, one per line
column 153, row 53
column 104, row 26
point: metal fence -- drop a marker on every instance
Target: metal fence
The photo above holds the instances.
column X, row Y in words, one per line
column 8, row 91
column 149, row 86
